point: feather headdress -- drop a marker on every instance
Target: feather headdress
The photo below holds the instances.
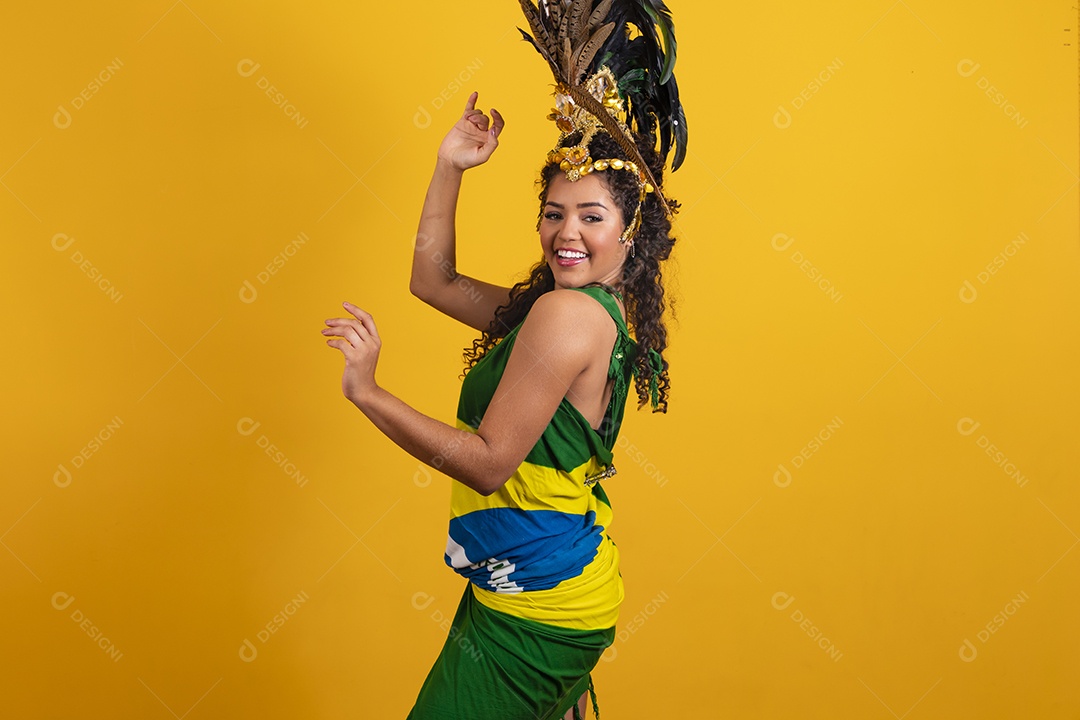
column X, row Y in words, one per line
column 613, row 64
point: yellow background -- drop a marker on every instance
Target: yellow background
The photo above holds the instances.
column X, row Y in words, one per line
column 849, row 255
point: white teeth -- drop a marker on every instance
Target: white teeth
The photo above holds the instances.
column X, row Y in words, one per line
column 572, row 254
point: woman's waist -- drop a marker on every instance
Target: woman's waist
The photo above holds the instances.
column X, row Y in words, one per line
column 589, row 600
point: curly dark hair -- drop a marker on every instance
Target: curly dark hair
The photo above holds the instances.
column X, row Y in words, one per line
column 642, row 282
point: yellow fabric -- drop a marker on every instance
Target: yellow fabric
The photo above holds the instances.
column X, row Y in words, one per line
column 589, row 601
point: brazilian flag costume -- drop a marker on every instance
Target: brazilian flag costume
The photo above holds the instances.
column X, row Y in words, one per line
column 544, row 586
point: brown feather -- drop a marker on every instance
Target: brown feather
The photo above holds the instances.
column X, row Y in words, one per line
column 540, row 49
column 554, row 11
column 585, row 54
column 599, row 14
column 540, row 33
column 564, row 20
column 564, row 59
column 575, row 17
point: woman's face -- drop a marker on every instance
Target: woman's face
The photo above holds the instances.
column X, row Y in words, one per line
column 581, row 217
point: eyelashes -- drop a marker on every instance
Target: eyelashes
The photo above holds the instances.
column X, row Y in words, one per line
column 588, row 218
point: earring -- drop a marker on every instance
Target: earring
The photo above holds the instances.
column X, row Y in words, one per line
column 632, row 249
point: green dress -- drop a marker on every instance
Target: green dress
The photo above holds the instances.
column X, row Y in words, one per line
column 544, row 587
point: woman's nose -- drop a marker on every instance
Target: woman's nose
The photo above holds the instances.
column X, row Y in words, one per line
column 570, row 228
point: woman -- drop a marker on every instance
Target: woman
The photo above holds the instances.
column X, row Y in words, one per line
column 539, row 412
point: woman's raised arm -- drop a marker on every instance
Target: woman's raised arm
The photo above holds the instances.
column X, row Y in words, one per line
column 435, row 278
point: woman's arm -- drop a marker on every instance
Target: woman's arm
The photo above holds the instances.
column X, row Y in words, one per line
column 435, row 278
column 563, row 333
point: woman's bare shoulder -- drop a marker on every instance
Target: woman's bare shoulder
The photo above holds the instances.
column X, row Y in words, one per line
column 572, row 314
column 569, row 301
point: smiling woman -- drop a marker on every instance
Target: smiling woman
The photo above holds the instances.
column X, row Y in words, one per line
column 580, row 229
column 546, row 383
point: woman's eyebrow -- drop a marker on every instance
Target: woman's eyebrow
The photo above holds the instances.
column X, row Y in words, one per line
column 552, row 203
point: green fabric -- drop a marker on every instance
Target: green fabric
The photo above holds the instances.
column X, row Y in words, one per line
column 562, row 445
column 495, row 666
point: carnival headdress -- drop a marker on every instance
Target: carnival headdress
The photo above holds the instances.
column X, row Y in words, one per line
column 612, row 75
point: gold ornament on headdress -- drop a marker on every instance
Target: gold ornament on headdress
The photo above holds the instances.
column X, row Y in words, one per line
column 575, row 160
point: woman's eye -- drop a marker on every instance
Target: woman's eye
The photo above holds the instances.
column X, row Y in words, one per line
column 551, row 216
column 594, row 218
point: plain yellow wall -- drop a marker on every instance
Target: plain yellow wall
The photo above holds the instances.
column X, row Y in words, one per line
column 862, row 503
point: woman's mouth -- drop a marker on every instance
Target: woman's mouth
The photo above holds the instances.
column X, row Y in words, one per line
column 568, row 258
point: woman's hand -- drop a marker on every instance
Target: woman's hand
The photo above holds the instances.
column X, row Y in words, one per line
column 471, row 141
column 359, row 343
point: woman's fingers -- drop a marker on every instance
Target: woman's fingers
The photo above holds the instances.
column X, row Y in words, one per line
column 478, row 119
column 365, row 319
column 351, row 331
column 342, row 323
column 342, row 345
column 473, row 115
